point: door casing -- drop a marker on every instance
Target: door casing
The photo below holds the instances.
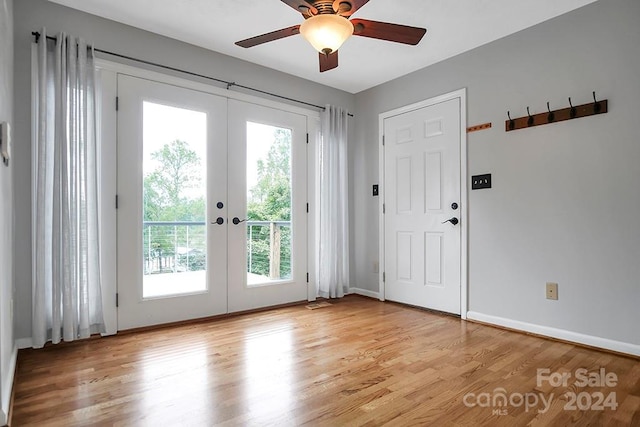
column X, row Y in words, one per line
column 462, row 95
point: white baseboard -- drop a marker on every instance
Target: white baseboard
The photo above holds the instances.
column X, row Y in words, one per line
column 618, row 346
column 7, row 386
column 24, row 343
column 364, row 292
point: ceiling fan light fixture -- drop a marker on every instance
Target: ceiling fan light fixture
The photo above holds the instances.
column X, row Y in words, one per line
column 326, row 33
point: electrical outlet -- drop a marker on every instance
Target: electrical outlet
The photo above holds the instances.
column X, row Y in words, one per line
column 552, row 290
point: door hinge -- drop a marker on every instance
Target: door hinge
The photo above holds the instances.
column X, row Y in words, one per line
column 307, row 138
column 117, row 103
column 117, row 301
column 307, row 207
column 116, row 201
column 382, row 139
column 384, row 276
column 307, row 277
column 384, row 208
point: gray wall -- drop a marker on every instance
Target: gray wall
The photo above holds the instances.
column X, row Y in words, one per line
column 565, row 201
column 7, row 348
column 32, row 15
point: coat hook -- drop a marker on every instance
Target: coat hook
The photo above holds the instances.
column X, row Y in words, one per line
column 551, row 117
column 596, row 104
column 572, row 113
column 512, row 124
column 530, row 120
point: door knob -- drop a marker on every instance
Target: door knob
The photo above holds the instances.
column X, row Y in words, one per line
column 219, row 221
column 453, row 221
column 237, row 220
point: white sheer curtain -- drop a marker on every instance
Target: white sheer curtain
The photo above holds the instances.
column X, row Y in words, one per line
column 66, row 297
column 333, row 222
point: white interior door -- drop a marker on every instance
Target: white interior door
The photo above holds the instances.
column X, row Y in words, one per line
column 172, row 185
column 267, row 206
column 422, row 190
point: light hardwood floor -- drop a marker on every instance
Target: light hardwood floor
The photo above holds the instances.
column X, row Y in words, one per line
column 356, row 362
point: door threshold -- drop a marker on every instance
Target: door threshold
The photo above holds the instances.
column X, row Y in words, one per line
column 430, row 310
column 207, row 319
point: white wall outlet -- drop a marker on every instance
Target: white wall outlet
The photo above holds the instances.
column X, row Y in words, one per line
column 552, row 290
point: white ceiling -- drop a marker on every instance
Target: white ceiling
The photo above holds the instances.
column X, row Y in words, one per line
column 453, row 27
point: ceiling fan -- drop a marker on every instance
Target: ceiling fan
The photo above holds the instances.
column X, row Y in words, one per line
column 327, row 26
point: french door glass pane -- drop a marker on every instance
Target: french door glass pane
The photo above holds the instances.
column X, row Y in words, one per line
column 268, row 204
column 174, row 200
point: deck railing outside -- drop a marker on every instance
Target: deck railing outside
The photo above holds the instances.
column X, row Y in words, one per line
column 173, row 247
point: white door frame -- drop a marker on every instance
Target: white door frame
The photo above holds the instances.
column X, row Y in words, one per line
column 464, row 200
column 108, row 123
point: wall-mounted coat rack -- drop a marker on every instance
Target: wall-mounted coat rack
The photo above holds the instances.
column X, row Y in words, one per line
column 584, row 110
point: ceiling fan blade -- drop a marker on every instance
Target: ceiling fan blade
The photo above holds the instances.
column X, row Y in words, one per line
column 348, row 7
column 328, row 62
column 386, row 31
column 304, row 7
column 269, row 37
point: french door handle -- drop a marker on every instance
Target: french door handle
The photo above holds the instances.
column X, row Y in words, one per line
column 237, row 220
column 219, row 221
column 453, row 221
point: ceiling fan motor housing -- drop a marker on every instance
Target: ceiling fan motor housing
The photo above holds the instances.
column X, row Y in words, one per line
column 325, row 7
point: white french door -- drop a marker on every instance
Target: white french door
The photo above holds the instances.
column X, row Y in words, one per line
column 172, row 171
column 189, row 163
column 267, row 169
column 423, row 199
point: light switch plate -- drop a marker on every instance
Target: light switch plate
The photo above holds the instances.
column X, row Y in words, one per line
column 481, row 181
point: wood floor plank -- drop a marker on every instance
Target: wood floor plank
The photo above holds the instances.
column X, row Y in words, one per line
column 356, row 362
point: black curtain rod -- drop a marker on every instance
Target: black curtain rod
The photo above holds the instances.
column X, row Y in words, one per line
column 166, row 67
